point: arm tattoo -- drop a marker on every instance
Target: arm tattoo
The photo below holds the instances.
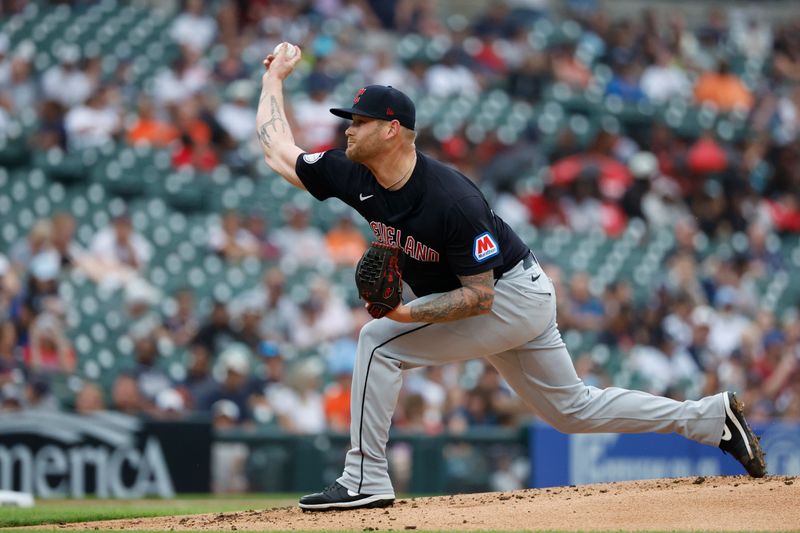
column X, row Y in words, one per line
column 276, row 123
column 474, row 297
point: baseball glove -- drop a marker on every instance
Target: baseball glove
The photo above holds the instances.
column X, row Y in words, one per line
column 379, row 279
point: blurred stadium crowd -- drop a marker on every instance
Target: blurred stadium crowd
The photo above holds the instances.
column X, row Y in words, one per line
column 152, row 264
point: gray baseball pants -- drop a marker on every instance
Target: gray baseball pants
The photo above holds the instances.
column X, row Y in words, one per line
column 520, row 338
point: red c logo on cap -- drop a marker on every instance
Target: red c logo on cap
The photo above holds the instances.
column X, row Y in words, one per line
column 358, row 95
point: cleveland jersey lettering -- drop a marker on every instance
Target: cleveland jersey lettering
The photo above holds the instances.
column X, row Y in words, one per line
column 411, row 247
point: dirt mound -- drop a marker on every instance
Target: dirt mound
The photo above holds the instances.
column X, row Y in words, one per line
column 685, row 504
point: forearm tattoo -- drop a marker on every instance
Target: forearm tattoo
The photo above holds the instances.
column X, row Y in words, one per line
column 473, row 298
column 275, row 125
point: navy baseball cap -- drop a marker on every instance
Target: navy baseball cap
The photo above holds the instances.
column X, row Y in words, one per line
column 383, row 102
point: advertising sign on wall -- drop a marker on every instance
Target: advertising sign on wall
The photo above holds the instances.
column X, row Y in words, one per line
column 558, row 459
column 108, row 455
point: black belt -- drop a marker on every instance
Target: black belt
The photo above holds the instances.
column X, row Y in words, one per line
column 528, row 261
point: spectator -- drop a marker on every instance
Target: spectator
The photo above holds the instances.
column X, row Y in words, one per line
column 723, row 90
column 247, row 323
column 189, row 154
column 139, row 298
column 448, row 77
column 430, row 384
column 256, row 223
column 149, row 128
column 63, row 240
column 273, row 363
column 567, row 68
column 701, row 319
column 625, row 84
column 786, row 54
column 666, row 369
column 125, row 395
column 232, row 67
column 193, row 28
column 9, row 289
column 66, row 83
column 5, row 63
column 199, row 382
column 653, row 197
column 182, row 325
column 388, row 71
column 120, row 248
column 324, row 316
column 23, row 90
column 336, row 395
column 94, row 123
column 664, row 79
column 300, row 406
column 228, row 459
column 586, row 310
column 728, row 325
column 235, row 384
column 89, row 399
column 528, row 80
column 319, row 128
column 280, row 313
column 216, row 334
column 678, row 324
column 38, row 394
column 345, row 243
column 238, row 115
column 300, row 242
column 184, row 78
column 495, row 21
column 169, row 405
column 269, row 375
column 763, row 257
column 230, row 240
column 150, row 378
column 42, row 288
column 750, row 34
column 583, row 208
column 51, row 132
column 39, row 239
column 49, row 350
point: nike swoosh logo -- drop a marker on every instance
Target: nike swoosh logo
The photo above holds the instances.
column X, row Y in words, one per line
column 537, row 276
column 362, row 197
column 726, row 433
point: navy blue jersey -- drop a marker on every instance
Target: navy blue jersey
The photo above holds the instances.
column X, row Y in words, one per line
column 439, row 218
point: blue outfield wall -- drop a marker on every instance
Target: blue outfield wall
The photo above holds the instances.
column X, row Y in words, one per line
column 558, row 459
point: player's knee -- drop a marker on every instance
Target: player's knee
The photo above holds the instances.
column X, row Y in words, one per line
column 371, row 335
column 567, row 423
column 568, row 410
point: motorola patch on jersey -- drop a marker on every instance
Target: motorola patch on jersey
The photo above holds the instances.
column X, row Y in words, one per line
column 312, row 158
column 485, row 247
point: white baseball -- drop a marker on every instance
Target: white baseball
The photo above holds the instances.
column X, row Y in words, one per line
column 290, row 50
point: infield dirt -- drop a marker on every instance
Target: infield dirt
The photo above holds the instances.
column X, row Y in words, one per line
column 683, row 504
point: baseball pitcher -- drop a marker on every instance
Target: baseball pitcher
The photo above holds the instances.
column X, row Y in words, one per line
column 480, row 292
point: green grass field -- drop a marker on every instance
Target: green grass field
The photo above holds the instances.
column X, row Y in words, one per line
column 55, row 511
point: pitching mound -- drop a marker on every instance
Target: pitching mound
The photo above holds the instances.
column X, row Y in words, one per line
column 685, row 504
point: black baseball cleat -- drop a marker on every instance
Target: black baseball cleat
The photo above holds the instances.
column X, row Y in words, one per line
column 338, row 497
column 739, row 440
